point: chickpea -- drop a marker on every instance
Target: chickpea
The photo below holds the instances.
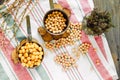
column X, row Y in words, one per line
column 20, row 51
column 22, row 47
column 40, row 49
column 26, row 55
column 41, row 53
column 54, row 21
column 23, row 50
column 31, row 65
column 37, row 63
column 23, row 64
column 32, row 57
column 20, row 55
column 26, row 50
column 25, row 60
column 28, row 58
column 27, row 44
column 31, row 50
column 40, row 56
column 30, row 54
column 26, row 65
column 29, row 62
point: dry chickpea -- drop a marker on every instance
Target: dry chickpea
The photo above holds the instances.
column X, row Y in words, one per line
column 65, row 60
column 22, row 47
column 30, row 54
column 28, row 58
column 41, row 53
column 26, row 55
column 20, row 55
column 23, row 50
column 23, row 64
column 26, row 65
column 25, row 60
column 20, row 51
column 55, row 22
column 40, row 56
column 32, row 57
column 37, row 63
column 40, row 49
column 31, row 65
column 84, row 47
column 27, row 44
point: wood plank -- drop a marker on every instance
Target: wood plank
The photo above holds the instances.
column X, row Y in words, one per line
column 113, row 36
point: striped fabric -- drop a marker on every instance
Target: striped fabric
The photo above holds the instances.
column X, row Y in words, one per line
column 87, row 68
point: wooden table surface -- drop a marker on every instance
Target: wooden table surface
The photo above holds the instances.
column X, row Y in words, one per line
column 113, row 36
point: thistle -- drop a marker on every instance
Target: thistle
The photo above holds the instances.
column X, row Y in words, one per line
column 97, row 22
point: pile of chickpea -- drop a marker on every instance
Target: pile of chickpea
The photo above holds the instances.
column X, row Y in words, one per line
column 65, row 60
column 55, row 22
column 30, row 54
column 75, row 34
column 84, row 47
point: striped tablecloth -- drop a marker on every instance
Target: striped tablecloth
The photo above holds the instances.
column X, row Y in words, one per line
column 87, row 68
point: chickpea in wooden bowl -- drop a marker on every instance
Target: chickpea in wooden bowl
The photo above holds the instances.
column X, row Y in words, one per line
column 56, row 22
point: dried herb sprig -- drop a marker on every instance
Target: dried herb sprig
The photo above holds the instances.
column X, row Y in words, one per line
column 97, row 22
column 18, row 15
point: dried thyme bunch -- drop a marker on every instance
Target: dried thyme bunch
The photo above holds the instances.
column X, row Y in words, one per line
column 13, row 13
column 97, row 22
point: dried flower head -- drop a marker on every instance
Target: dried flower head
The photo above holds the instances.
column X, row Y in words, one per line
column 97, row 22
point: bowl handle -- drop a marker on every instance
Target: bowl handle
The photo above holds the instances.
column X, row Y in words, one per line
column 51, row 4
column 28, row 28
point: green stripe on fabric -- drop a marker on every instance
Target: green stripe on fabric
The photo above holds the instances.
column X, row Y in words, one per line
column 8, row 65
column 20, row 36
column 3, row 75
column 10, row 23
column 40, row 71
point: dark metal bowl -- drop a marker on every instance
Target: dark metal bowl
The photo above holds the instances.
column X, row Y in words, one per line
column 23, row 42
column 64, row 15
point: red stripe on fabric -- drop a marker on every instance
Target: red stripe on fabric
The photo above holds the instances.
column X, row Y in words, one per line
column 93, row 55
column 65, row 4
column 20, row 71
column 86, row 8
column 100, row 44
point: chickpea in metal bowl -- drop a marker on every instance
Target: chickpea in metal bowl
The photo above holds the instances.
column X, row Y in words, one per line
column 56, row 21
column 30, row 54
